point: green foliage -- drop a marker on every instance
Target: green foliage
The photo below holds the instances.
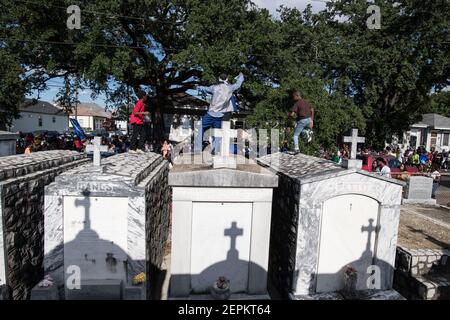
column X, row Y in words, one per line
column 12, row 88
column 375, row 80
column 440, row 103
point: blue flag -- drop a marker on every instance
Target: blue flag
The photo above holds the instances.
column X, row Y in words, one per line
column 78, row 130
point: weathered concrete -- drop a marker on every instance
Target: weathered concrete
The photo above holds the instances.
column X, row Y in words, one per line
column 22, row 182
column 306, row 185
column 138, row 180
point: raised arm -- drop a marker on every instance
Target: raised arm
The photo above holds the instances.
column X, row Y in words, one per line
column 239, row 81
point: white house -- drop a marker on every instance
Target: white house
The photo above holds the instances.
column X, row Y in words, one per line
column 36, row 115
column 90, row 116
column 433, row 132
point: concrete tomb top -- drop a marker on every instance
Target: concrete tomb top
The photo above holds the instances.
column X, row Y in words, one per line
column 19, row 165
column 308, row 169
column 197, row 174
column 125, row 169
column 5, row 135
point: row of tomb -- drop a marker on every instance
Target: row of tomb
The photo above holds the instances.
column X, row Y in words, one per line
column 282, row 227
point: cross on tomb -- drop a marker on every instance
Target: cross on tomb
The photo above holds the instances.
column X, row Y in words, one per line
column 233, row 233
column 369, row 229
column 97, row 148
column 354, row 140
column 224, row 160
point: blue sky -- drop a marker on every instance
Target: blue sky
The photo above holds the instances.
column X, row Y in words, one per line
column 272, row 5
column 85, row 95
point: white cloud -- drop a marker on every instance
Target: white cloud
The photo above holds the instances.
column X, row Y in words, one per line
column 273, row 5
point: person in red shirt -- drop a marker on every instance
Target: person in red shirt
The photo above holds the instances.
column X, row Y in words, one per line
column 137, row 125
column 78, row 145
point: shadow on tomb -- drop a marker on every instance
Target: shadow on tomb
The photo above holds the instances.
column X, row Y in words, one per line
column 239, row 271
column 91, row 268
column 364, row 278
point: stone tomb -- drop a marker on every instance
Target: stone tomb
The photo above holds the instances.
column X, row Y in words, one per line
column 418, row 191
column 327, row 218
column 220, row 228
column 22, row 182
column 8, row 143
column 109, row 223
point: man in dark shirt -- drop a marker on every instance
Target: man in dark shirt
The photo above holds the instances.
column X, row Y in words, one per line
column 304, row 114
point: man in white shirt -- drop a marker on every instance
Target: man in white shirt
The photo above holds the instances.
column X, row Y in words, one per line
column 382, row 168
column 220, row 107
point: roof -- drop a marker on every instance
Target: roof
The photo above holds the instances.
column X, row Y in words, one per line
column 5, row 135
column 91, row 109
column 197, row 170
column 310, row 169
column 299, row 166
column 39, row 106
column 434, row 120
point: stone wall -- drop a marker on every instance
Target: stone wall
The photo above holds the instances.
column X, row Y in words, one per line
column 158, row 200
column 422, row 274
column 22, row 182
column 283, row 236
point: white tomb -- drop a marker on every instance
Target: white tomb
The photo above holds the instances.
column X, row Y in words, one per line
column 220, row 228
column 419, row 190
column 105, row 225
column 327, row 219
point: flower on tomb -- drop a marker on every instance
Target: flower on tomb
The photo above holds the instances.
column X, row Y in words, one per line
column 350, row 270
column 140, row 278
column 222, row 283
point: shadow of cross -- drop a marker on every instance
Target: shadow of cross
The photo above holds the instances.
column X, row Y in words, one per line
column 233, row 233
column 86, row 203
column 354, row 140
column 369, row 229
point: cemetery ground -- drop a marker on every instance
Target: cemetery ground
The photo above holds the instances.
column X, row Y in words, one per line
column 423, row 227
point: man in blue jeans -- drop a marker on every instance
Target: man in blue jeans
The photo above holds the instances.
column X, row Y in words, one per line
column 220, row 108
column 304, row 114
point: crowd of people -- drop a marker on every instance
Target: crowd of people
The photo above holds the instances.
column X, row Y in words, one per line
column 400, row 164
column 44, row 141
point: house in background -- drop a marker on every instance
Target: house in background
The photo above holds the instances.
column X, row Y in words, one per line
column 90, row 116
column 37, row 115
column 433, row 132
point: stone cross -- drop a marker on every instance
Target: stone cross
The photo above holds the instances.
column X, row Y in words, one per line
column 354, row 140
column 233, row 233
column 225, row 160
column 97, row 148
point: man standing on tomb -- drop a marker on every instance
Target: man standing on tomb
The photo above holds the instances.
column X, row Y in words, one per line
column 303, row 112
column 137, row 124
column 220, row 108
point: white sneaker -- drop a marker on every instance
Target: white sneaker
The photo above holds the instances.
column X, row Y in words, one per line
column 140, row 151
column 132, row 151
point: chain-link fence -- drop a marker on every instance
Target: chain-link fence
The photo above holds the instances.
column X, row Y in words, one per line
column 443, row 192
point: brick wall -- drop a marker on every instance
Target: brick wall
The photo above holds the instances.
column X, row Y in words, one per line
column 283, row 235
column 158, row 200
